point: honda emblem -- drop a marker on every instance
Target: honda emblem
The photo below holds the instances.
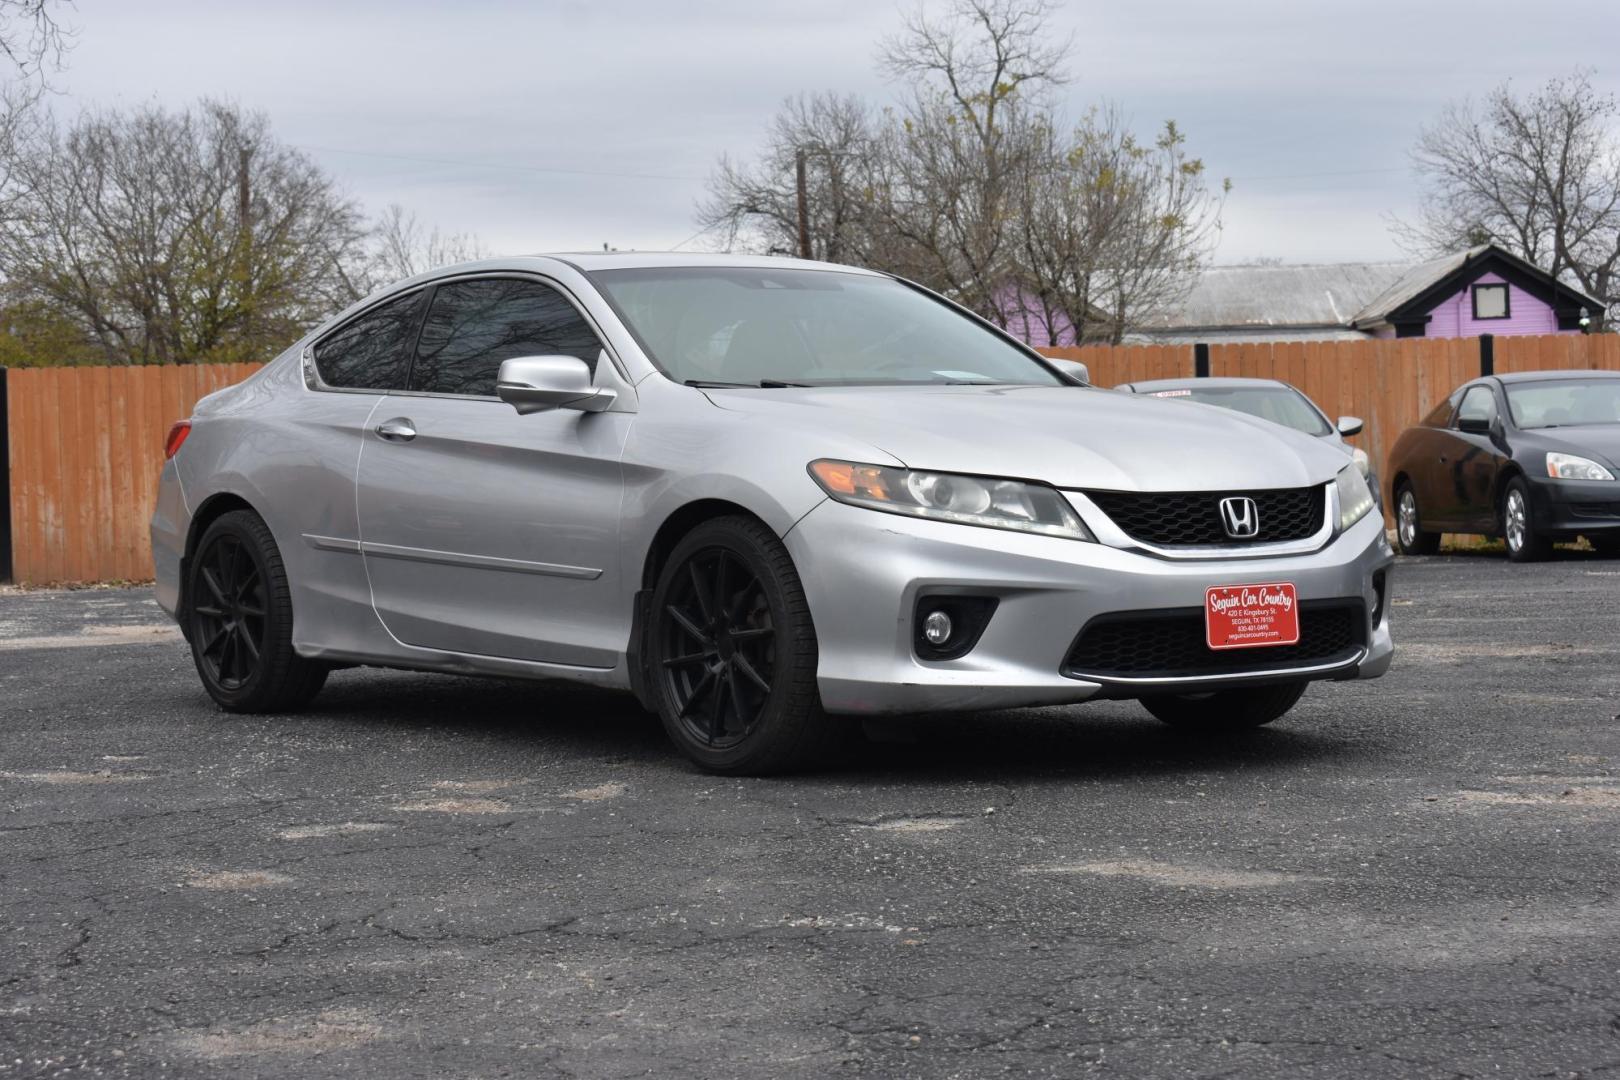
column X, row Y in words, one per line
column 1240, row 517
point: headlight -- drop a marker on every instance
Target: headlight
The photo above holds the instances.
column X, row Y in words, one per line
column 966, row 500
column 1359, row 456
column 1570, row 467
column 1355, row 497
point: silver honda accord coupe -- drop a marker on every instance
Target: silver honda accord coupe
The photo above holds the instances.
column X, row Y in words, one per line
column 766, row 496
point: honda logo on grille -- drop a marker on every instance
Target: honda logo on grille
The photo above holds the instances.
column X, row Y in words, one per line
column 1240, row 517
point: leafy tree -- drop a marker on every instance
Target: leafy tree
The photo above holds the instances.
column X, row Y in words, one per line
column 182, row 237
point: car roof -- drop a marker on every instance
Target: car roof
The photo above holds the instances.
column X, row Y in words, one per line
column 636, row 260
column 1232, row 382
column 1544, row 376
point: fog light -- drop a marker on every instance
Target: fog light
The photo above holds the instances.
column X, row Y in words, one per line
column 937, row 628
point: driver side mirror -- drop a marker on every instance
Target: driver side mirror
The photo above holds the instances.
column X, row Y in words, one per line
column 1350, row 425
column 1074, row 370
column 532, row 384
column 1474, row 425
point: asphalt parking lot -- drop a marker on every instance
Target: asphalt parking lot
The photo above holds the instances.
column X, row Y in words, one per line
column 434, row 876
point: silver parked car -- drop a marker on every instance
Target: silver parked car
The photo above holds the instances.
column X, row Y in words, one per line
column 765, row 495
column 1270, row 399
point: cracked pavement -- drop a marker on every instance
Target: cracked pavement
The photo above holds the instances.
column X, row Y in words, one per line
column 426, row 875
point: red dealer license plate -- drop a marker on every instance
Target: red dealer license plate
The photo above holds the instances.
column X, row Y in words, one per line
column 1251, row 616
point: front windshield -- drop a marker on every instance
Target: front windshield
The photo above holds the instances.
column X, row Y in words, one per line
column 767, row 327
column 1279, row 404
column 1564, row 402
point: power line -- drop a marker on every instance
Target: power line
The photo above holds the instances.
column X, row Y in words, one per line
column 1310, row 175
column 503, row 166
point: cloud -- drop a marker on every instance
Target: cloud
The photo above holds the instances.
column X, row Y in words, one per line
column 563, row 125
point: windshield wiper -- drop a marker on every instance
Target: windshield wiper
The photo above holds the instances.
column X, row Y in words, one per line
column 763, row 384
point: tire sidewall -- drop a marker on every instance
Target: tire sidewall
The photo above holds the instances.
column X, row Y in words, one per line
column 758, row 743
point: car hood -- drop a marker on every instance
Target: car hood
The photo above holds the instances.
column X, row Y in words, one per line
column 1601, row 441
column 1071, row 437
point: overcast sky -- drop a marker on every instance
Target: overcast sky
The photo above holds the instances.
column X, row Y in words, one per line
column 559, row 125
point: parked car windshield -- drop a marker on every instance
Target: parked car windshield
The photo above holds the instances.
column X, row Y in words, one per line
column 1564, row 402
column 767, row 326
column 1279, row 404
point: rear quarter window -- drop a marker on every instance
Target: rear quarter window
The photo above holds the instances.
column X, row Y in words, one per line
column 374, row 351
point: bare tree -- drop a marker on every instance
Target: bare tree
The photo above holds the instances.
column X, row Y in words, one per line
column 756, row 205
column 403, row 248
column 31, row 37
column 1537, row 174
column 958, row 147
column 177, row 236
column 1111, row 229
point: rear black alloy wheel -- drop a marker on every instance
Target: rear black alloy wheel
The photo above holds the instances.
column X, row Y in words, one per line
column 732, row 653
column 1226, row 710
column 228, row 616
column 239, row 614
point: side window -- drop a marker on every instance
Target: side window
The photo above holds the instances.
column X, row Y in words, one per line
column 473, row 325
column 374, row 351
column 1478, row 404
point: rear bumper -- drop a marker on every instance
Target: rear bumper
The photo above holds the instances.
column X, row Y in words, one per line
column 1575, row 507
column 864, row 572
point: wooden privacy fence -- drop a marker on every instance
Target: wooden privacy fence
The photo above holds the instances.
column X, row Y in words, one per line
column 85, row 447
column 86, row 444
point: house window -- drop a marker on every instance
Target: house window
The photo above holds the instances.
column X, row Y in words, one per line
column 1490, row 301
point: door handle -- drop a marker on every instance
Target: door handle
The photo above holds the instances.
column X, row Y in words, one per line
column 399, row 429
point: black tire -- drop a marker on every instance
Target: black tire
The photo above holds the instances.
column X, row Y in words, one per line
column 1524, row 542
column 1409, row 532
column 1226, row 710
column 240, row 618
column 731, row 654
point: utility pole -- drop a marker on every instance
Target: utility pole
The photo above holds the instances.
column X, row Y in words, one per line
column 244, row 225
column 804, row 207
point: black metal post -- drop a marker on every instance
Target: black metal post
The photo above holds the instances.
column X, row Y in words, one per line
column 5, row 480
column 1201, row 361
column 1487, row 355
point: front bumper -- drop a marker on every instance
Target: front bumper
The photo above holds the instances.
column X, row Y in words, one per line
column 1575, row 507
column 863, row 572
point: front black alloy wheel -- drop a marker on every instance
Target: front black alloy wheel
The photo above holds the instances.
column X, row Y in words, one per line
column 239, row 612
column 732, row 653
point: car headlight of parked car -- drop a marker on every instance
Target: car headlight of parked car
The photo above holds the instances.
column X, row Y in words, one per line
column 1571, row 467
column 966, row 500
column 1355, row 497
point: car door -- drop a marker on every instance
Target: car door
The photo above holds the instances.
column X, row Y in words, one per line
column 1473, row 460
column 483, row 531
column 311, row 467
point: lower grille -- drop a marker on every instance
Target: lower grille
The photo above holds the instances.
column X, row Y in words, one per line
column 1179, row 518
column 1171, row 643
column 1595, row 510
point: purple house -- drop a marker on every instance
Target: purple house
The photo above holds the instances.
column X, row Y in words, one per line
column 1484, row 290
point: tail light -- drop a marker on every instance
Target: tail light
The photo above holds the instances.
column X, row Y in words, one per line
column 177, row 436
